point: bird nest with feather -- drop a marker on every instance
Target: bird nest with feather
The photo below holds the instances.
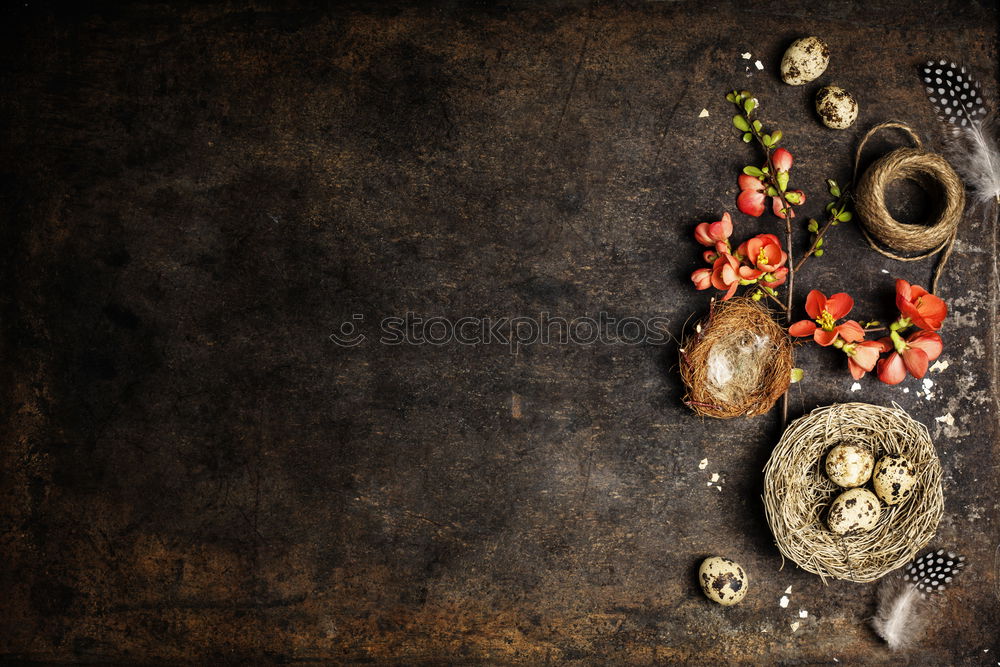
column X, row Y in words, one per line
column 737, row 362
column 798, row 493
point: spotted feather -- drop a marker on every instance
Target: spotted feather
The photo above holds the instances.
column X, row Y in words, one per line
column 955, row 94
column 934, row 571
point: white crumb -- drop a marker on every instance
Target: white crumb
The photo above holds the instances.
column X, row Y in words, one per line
column 788, row 590
column 747, row 55
column 703, row 464
column 884, row 271
column 856, row 386
column 803, row 613
column 928, row 383
column 906, row 390
column 939, row 365
column 783, row 602
column 759, row 65
column 715, row 477
column 946, row 419
column 703, row 114
column 795, row 626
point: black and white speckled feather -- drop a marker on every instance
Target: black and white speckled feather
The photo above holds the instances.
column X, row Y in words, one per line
column 934, row 571
column 961, row 103
column 904, row 597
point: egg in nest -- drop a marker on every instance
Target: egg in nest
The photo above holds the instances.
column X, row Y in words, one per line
column 854, row 511
column 894, row 479
column 849, row 465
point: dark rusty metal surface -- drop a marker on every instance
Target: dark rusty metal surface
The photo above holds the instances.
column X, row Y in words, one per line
column 195, row 198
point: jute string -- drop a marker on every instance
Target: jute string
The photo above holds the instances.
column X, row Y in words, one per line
column 887, row 235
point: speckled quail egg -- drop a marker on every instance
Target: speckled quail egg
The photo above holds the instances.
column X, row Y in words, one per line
column 836, row 107
column 723, row 581
column 854, row 511
column 849, row 465
column 894, row 478
column 804, row 61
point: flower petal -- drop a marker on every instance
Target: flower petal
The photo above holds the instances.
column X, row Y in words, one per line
column 902, row 290
column 751, row 202
column 824, row 338
column 850, row 330
column 782, row 160
column 866, row 354
column 753, row 249
column 727, row 225
column 815, row 303
column 802, row 328
column 928, row 341
column 857, row 372
column 702, row 234
column 915, row 360
column 731, row 291
column 839, row 305
column 748, row 182
column 891, row 370
column 702, row 279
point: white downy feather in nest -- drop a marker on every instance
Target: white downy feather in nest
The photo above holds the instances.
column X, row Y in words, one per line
column 903, row 599
column 974, row 149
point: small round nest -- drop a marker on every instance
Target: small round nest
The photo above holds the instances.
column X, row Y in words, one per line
column 737, row 363
column 797, row 492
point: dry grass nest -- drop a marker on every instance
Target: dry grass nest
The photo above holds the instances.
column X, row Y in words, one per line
column 737, row 363
column 797, row 492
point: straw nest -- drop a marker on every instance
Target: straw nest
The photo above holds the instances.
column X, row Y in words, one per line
column 797, row 492
column 737, row 363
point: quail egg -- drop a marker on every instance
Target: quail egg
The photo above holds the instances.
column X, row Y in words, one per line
column 836, row 107
column 854, row 511
column 804, row 61
column 722, row 580
column 849, row 465
column 894, row 479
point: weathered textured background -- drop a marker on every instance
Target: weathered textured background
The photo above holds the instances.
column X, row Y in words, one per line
column 195, row 198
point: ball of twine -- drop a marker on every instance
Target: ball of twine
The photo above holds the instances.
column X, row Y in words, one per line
column 755, row 351
column 929, row 170
column 797, row 492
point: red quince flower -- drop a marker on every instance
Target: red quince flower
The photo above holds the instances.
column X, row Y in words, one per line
column 764, row 252
column 825, row 312
column 911, row 355
column 920, row 306
column 862, row 357
column 782, row 160
column 710, row 233
column 752, row 195
column 727, row 274
column 702, row 278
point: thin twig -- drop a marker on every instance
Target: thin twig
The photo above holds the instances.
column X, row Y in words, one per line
column 772, row 174
column 832, row 218
column 773, row 298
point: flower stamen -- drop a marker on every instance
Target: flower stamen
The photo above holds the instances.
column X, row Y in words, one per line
column 826, row 321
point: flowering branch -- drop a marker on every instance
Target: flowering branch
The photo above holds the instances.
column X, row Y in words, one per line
column 771, row 180
column 910, row 355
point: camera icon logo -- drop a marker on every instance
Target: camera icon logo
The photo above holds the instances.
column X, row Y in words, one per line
column 348, row 334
